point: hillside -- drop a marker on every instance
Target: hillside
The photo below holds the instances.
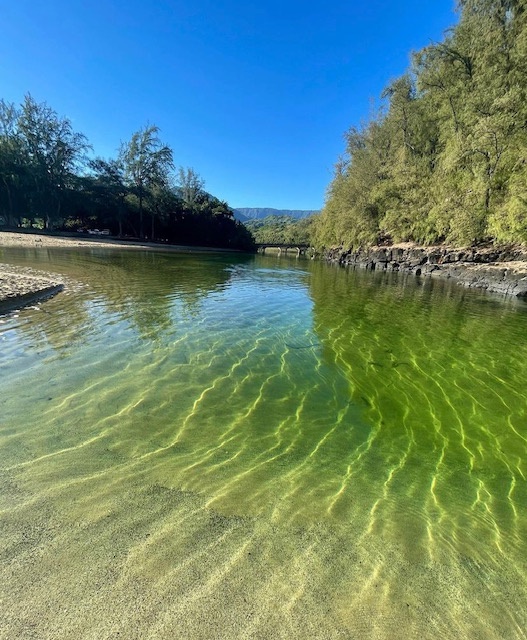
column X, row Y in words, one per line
column 281, row 229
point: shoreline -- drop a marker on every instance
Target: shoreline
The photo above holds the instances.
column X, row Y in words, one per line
column 38, row 240
column 21, row 287
column 501, row 270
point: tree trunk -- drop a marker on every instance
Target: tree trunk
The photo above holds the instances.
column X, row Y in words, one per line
column 141, row 232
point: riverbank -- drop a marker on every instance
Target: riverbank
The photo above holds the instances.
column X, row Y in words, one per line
column 495, row 269
column 36, row 240
column 22, row 287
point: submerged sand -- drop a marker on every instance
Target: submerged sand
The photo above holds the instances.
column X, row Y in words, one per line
column 104, row 532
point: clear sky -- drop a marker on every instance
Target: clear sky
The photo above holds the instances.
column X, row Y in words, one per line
column 255, row 96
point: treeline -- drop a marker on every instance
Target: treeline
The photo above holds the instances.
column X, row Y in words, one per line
column 446, row 158
column 48, row 181
column 281, row 230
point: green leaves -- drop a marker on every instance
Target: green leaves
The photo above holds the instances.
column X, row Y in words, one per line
column 147, row 163
column 445, row 158
column 46, row 180
column 281, row 229
column 40, row 154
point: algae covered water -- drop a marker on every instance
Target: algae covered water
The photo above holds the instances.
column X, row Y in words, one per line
column 222, row 446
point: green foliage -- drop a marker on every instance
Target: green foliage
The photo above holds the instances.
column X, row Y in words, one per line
column 190, row 187
column 39, row 157
column 281, row 230
column 46, row 181
column 146, row 162
column 445, row 158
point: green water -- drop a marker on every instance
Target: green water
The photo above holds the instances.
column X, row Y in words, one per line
column 219, row 446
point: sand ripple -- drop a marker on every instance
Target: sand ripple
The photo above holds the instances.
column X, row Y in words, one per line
column 308, row 466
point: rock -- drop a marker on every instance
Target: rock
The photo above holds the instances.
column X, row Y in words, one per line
column 500, row 270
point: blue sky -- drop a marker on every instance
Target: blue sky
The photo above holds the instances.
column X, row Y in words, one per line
column 255, row 96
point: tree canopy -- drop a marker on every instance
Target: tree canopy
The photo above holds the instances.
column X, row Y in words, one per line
column 445, row 159
column 48, row 181
column 283, row 229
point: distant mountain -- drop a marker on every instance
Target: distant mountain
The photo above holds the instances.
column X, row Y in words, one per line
column 243, row 215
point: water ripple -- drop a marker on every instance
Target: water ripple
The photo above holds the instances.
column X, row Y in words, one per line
column 277, row 452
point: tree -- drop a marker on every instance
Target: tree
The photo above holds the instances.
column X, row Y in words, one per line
column 11, row 163
column 190, row 185
column 110, row 188
column 45, row 176
column 445, row 158
column 53, row 152
column 147, row 162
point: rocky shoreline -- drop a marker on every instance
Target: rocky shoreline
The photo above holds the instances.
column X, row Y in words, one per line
column 498, row 270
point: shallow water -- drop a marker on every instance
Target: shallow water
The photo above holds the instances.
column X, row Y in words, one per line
column 219, row 446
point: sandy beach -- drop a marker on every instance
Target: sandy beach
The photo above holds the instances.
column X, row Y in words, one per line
column 36, row 240
column 21, row 287
column 15, row 239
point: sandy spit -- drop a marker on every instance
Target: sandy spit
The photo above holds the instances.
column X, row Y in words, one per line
column 14, row 239
column 35, row 240
column 21, row 287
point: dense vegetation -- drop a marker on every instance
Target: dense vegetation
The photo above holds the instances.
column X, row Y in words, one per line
column 254, row 213
column 281, row 230
column 446, row 157
column 47, row 181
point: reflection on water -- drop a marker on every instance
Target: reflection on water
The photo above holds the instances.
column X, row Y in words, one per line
column 215, row 446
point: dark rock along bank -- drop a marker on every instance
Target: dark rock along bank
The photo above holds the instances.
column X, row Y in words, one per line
column 499, row 270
